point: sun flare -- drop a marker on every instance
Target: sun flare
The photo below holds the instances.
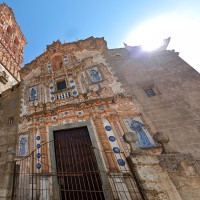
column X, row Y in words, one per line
column 184, row 33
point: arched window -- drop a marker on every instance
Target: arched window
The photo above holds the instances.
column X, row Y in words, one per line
column 16, row 41
column 9, row 30
column 8, row 35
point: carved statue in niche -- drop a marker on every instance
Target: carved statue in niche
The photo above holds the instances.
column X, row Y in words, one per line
column 57, row 62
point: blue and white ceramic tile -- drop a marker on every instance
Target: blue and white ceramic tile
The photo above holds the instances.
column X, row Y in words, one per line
column 54, row 118
column 49, row 67
column 38, row 152
column 137, row 126
column 74, row 90
column 80, row 113
column 51, row 92
column 101, row 107
column 66, row 113
column 114, row 144
column 33, row 92
column 66, row 59
column 23, row 145
column 94, row 74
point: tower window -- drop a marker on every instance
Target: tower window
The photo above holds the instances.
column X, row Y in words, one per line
column 9, row 30
column 16, row 41
column 61, row 85
column 10, row 120
column 149, row 92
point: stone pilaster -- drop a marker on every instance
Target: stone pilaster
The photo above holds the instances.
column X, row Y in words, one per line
column 105, row 143
column 154, row 182
column 184, row 172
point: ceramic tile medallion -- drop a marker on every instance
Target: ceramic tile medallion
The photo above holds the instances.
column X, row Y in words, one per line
column 38, row 165
column 33, row 93
column 101, row 107
column 94, row 74
column 23, row 145
column 137, row 126
column 65, row 58
column 49, row 67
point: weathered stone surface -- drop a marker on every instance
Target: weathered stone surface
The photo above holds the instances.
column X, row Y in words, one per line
column 10, row 102
column 184, row 171
column 171, row 162
column 174, row 109
column 154, row 181
column 3, row 193
column 145, row 159
column 104, row 99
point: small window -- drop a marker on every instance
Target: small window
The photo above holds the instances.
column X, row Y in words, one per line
column 61, row 85
column 10, row 120
column 149, row 92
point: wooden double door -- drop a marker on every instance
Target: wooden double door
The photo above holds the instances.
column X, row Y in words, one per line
column 77, row 168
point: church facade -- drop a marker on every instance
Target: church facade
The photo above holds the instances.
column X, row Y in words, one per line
column 67, row 118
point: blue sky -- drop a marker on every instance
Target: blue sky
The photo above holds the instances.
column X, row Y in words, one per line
column 45, row 21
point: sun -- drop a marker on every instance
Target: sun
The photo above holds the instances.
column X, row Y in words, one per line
column 183, row 30
column 151, row 33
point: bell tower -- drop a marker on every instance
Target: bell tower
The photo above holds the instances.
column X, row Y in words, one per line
column 12, row 43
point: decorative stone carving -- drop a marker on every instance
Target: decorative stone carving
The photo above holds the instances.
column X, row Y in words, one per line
column 11, row 153
column 101, row 133
column 131, row 139
column 163, row 139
